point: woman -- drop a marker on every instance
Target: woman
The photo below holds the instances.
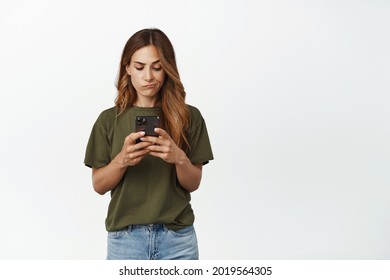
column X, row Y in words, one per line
column 150, row 178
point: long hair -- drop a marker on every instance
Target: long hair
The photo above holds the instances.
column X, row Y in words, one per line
column 175, row 115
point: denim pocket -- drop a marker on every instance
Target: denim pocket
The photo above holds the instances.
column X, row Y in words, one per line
column 184, row 232
column 117, row 234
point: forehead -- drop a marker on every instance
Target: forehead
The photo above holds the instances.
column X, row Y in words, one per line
column 146, row 54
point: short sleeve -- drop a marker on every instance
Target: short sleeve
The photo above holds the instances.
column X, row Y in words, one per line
column 98, row 149
column 200, row 148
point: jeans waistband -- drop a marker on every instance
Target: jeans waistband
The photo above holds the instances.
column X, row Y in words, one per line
column 148, row 227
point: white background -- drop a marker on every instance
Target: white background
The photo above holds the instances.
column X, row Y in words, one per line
column 296, row 99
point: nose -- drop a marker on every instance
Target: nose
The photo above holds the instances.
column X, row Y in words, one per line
column 148, row 75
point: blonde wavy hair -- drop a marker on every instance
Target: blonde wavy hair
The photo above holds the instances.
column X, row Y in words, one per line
column 175, row 115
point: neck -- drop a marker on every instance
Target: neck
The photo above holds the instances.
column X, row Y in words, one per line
column 146, row 103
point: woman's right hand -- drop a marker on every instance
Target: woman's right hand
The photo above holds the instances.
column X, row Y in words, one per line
column 132, row 152
column 106, row 178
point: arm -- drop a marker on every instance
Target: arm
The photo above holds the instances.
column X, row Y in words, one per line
column 107, row 178
column 189, row 175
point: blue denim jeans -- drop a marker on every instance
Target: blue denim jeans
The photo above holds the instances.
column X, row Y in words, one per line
column 152, row 242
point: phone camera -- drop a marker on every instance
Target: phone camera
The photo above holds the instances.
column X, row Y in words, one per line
column 141, row 121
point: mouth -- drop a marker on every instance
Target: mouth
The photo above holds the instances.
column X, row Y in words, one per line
column 150, row 86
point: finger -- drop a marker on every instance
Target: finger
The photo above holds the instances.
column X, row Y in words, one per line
column 127, row 140
column 151, row 139
column 132, row 137
column 142, row 145
column 136, row 157
column 138, row 154
column 137, row 147
column 158, row 148
column 159, row 155
column 162, row 133
column 157, row 141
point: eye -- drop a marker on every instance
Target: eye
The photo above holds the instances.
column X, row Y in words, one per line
column 139, row 68
column 157, row 68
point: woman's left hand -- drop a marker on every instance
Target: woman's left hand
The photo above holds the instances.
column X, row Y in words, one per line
column 164, row 147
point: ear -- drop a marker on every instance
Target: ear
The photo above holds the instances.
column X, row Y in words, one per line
column 128, row 69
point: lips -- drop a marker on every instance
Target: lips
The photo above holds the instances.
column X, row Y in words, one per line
column 150, row 86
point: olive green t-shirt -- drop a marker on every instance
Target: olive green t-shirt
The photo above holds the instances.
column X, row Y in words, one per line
column 148, row 193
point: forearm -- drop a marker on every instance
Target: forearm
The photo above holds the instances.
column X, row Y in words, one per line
column 106, row 178
column 189, row 175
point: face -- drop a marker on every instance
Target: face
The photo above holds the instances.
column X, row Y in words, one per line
column 146, row 74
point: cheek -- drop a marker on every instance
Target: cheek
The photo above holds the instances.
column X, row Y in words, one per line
column 134, row 80
column 160, row 77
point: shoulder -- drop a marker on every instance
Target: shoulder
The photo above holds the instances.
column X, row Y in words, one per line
column 196, row 119
column 107, row 117
column 108, row 113
column 195, row 114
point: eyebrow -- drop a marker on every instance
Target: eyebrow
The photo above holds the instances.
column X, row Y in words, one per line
column 157, row 61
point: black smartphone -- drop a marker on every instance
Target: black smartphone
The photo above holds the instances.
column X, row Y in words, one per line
column 147, row 124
